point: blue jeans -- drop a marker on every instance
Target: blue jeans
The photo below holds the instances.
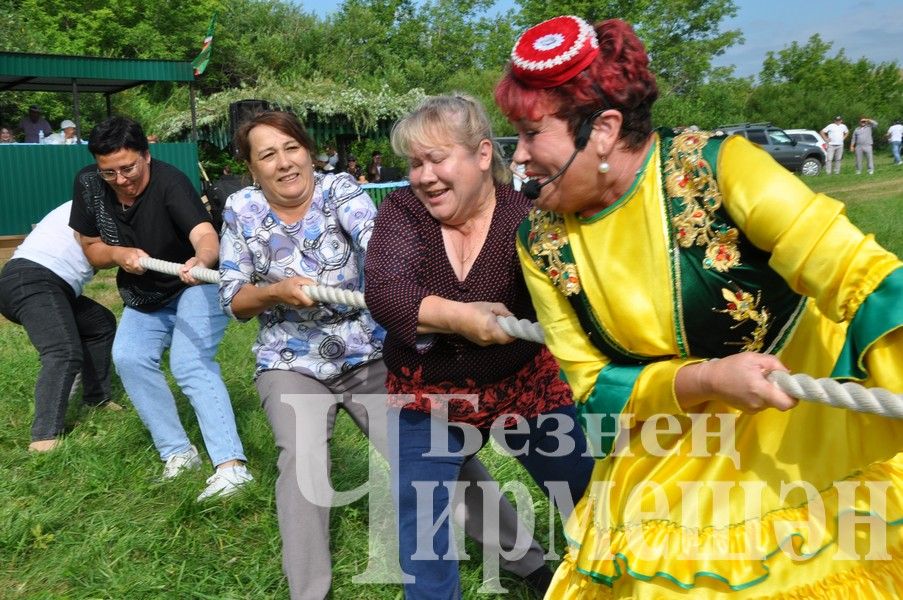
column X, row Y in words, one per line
column 71, row 334
column 410, row 449
column 192, row 326
column 895, row 150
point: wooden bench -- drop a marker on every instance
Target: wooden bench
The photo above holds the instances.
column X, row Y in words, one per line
column 8, row 245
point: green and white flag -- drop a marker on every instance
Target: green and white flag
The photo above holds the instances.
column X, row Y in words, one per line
column 200, row 62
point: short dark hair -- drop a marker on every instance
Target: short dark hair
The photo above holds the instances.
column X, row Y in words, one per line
column 286, row 122
column 116, row 133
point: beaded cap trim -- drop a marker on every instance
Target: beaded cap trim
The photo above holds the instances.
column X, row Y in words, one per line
column 551, row 53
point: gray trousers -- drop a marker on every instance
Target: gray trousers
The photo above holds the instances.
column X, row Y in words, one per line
column 834, row 156
column 863, row 150
column 302, row 428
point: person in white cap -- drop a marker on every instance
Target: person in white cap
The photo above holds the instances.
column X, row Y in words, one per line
column 321, row 163
column 66, row 135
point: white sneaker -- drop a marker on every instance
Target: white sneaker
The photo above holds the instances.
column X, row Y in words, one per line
column 181, row 461
column 226, row 482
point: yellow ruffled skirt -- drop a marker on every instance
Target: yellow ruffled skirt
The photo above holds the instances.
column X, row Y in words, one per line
column 802, row 504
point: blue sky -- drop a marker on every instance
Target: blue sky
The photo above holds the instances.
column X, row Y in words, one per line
column 863, row 28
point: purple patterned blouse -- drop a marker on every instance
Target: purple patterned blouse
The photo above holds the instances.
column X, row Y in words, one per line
column 327, row 245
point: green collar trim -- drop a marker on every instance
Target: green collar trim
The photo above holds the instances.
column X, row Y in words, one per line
column 629, row 193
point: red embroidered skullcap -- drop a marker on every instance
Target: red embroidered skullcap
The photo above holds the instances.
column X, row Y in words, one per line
column 551, row 53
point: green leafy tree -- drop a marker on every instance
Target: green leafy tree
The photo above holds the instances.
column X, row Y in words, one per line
column 720, row 101
column 259, row 39
column 124, row 28
column 802, row 86
column 405, row 45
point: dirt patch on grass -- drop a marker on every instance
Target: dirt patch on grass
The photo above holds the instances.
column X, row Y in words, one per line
column 880, row 187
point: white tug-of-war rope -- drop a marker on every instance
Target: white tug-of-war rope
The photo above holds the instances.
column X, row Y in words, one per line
column 826, row 391
column 849, row 395
column 171, row 268
column 519, row 328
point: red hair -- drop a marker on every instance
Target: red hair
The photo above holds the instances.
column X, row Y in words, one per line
column 618, row 78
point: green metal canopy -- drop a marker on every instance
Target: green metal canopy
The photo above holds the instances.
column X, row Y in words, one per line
column 57, row 73
column 34, row 178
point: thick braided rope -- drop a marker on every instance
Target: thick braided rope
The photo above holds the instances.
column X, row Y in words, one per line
column 827, row 391
column 843, row 395
column 518, row 328
column 523, row 329
column 334, row 295
column 171, row 268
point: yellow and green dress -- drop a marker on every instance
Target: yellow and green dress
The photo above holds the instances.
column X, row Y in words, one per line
column 714, row 250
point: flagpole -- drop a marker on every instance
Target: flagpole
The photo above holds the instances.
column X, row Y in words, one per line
column 194, row 114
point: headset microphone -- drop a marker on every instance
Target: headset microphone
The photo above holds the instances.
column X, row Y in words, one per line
column 532, row 188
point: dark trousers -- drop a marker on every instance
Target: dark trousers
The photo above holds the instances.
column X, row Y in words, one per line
column 71, row 333
column 415, row 461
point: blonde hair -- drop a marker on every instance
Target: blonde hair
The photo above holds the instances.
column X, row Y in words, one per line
column 456, row 117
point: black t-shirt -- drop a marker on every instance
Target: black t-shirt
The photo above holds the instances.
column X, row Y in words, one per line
column 158, row 222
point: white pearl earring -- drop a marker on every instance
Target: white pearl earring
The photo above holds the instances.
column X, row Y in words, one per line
column 604, row 167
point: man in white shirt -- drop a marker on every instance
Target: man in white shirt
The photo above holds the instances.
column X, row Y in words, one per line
column 66, row 134
column 894, row 135
column 835, row 134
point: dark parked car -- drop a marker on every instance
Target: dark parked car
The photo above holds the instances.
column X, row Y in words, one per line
column 508, row 144
column 802, row 157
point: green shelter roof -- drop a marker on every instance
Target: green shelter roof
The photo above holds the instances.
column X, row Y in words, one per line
column 55, row 73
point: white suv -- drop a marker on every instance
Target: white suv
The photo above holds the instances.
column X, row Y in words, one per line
column 809, row 136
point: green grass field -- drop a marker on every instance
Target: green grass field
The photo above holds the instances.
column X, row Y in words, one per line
column 90, row 521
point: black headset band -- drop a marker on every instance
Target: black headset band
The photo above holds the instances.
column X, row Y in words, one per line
column 585, row 130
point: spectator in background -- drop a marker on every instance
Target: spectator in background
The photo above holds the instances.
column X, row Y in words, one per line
column 333, row 159
column 861, row 144
column 153, row 139
column 835, row 134
column 65, row 136
column 518, row 174
column 375, row 169
column 129, row 206
column 34, row 124
column 6, row 136
column 321, row 163
column 894, row 135
column 41, row 289
column 353, row 168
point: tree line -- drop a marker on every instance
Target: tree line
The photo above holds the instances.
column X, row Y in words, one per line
column 438, row 46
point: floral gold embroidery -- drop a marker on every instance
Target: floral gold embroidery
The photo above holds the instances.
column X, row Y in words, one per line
column 690, row 182
column 547, row 238
column 742, row 307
